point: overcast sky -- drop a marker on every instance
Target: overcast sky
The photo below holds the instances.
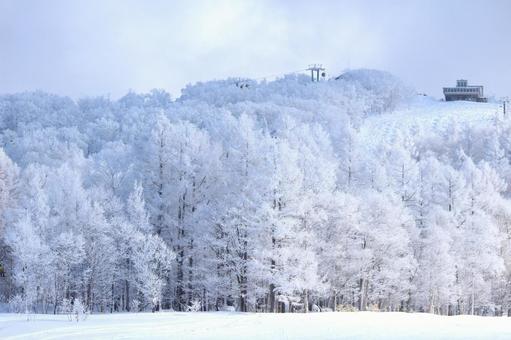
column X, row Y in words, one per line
column 102, row 47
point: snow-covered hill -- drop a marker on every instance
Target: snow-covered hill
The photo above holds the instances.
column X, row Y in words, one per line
column 424, row 115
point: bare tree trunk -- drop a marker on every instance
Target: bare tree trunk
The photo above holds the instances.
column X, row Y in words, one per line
column 472, row 297
column 113, row 298
column 363, row 293
column 127, row 298
column 243, row 288
column 271, row 297
column 55, row 303
column 306, row 301
column 190, row 273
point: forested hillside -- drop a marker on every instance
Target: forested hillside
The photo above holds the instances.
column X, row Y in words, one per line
column 271, row 196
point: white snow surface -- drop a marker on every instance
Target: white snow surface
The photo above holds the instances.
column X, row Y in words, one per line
column 224, row 325
column 425, row 114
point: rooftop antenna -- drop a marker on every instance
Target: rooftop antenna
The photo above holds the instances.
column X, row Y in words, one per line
column 315, row 71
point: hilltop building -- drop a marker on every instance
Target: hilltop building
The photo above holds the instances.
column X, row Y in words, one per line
column 463, row 91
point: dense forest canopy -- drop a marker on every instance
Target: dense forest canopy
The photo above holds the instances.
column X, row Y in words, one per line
column 262, row 197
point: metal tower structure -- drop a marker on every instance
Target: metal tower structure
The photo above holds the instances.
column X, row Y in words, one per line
column 316, row 69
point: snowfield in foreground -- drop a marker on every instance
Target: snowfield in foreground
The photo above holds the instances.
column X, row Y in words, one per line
column 361, row 325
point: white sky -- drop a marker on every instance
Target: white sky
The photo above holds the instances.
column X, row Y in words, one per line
column 95, row 47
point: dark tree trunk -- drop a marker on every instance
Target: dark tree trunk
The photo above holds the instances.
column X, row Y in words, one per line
column 271, row 298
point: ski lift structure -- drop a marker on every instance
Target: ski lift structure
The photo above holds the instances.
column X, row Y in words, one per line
column 242, row 83
column 317, row 72
column 505, row 105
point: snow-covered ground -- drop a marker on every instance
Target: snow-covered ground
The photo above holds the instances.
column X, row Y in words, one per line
column 425, row 114
column 361, row 325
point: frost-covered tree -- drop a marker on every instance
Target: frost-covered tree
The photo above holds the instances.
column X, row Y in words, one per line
column 276, row 196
